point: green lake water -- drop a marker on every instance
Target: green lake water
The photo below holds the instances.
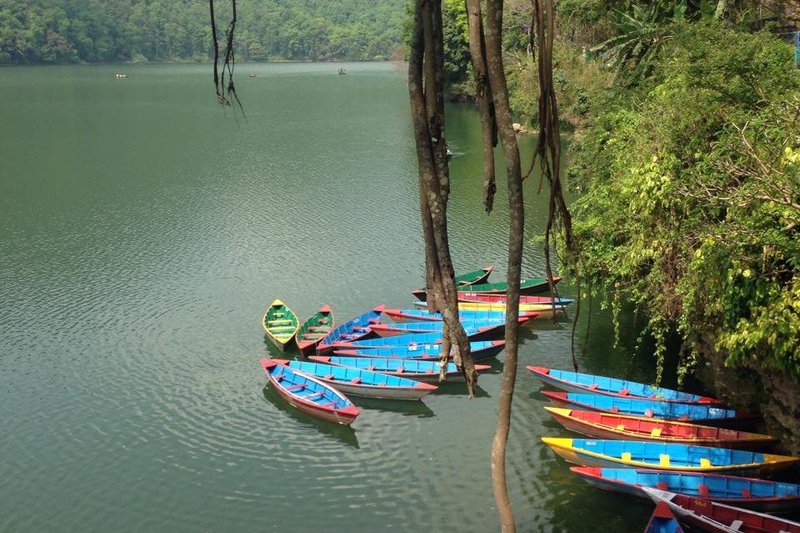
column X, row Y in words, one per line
column 143, row 231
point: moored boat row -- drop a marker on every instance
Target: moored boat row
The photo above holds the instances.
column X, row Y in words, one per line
column 389, row 360
column 657, row 443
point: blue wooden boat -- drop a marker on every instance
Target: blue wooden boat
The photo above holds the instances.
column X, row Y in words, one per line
column 401, row 315
column 360, row 382
column 419, row 369
column 758, row 494
column 310, row 395
column 589, row 383
column 652, row 409
column 665, row 456
column 354, row 329
column 663, row 520
column 480, row 350
column 389, row 329
column 402, row 340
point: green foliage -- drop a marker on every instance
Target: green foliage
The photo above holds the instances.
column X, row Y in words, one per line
column 62, row 31
column 691, row 204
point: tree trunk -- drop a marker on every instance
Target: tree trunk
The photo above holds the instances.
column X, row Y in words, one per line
column 426, row 91
column 516, row 208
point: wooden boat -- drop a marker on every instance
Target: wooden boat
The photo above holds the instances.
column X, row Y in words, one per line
column 543, row 310
column 470, row 278
column 684, row 412
column 474, row 277
column 353, row 329
column 360, row 382
column 665, row 456
column 758, row 494
column 480, row 350
column 613, row 426
column 663, row 520
column 718, row 517
column 314, row 330
column 430, row 326
column 482, row 297
column 280, row 324
column 418, row 369
column 401, row 315
column 309, row 394
column 527, row 286
column 589, row 383
column 473, row 334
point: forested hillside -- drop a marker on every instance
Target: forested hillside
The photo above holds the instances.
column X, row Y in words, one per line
column 73, row 31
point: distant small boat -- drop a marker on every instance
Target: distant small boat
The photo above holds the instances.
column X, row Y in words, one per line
column 314, row 330
column 683, row 412
column 342, row 72
column 666, row 456
column 757, row 494
column 663, row 520
column 120, row 76
column 567, row 380
column 527, row 286
column 479, row 350
column 310, row 395
column 718, row 517
column 602, row 425
column 359, row 382
column 353, row 329
column 280, row 324
column 423, row 314
column 252, row 75
column 418, row 369
column 430, row 326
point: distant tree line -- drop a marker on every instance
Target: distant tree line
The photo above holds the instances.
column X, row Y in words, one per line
column 94, row 31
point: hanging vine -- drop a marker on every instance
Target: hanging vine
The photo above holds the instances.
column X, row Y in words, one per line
column 226, row 93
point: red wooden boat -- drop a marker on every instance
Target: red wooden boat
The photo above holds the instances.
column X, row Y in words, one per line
column 310, row 395
column 718, row 517
column 613, row 426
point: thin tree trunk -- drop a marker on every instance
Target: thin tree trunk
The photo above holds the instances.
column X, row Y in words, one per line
column 497, row 81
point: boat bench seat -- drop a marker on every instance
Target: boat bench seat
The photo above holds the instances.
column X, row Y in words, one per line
column 355, row 380
column 314, row 395
column 655, row 432
column 326, row 405
column 702, row 490
column 328, row 377
column 298, row 386
column 705, row 462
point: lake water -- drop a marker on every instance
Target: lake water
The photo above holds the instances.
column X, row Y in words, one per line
column 143, row 231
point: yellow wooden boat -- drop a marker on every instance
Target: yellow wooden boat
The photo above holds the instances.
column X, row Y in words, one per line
column 280, row 324
column 543, row 310
column 666, row 456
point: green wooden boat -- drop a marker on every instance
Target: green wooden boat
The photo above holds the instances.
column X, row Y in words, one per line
column 527, row 286
column 463, row 282
column 314, row 330
column 476, row 276
column 280, row 323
